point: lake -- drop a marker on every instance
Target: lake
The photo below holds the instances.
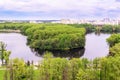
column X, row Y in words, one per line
column 16, row 43
column 96, row 46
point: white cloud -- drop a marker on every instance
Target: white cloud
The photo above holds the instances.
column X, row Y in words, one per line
column 48, row 5
column 87, row 7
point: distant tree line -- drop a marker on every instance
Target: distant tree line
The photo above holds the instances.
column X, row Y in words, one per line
column 95, row 28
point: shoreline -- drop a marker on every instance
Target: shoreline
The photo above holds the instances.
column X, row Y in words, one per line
column 10, row 31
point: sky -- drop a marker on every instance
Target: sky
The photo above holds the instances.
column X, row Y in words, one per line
column 59, row 9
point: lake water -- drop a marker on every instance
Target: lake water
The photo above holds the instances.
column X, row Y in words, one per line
column 96, row 46
column 16, row 43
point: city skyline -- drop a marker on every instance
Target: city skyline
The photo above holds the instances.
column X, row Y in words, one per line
column 57, row 9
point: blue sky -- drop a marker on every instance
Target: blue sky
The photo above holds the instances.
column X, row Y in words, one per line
column 59, row 9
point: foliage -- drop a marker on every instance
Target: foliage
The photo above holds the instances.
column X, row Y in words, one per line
column 54, row 69
column 115, row 50
column 76, row 64
column 88, row 27
column 55, row 37
column 111, row 28
column 20, row 71
column 110, row 69
column 50, row 36
column 107, row 28
column 113, row 39
column 74, row 69
column 107, row 68
column 61, row 36
column 4, row 54
column 47, row 55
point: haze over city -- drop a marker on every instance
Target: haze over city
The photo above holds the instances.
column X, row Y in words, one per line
column 58, row 9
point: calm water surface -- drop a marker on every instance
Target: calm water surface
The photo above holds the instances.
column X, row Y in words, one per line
column 96, row 46
column 16, row 43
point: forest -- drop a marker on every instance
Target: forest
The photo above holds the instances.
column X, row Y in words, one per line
column 51, row 36
column 61, row 36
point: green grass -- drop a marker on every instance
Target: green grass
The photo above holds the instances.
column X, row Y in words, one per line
column 2, row 74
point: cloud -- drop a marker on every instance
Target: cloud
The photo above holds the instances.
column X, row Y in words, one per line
column 118, row 0
column 48, row 5
column 23, row 5
column 61, row 9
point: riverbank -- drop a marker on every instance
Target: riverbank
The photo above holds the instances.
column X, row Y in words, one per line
column 9, row 31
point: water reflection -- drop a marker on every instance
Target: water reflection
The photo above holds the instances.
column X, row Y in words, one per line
column 97, row 33
column 73, row 53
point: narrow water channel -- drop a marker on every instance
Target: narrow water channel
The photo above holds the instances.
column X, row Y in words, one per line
column 96, row 46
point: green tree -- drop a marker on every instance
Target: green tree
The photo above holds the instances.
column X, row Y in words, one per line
column 54, row 69
column 6, row 55
column 115, row 50
column 76, row 64
column 20, row 71
column 113, row 39
column 2, row 49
